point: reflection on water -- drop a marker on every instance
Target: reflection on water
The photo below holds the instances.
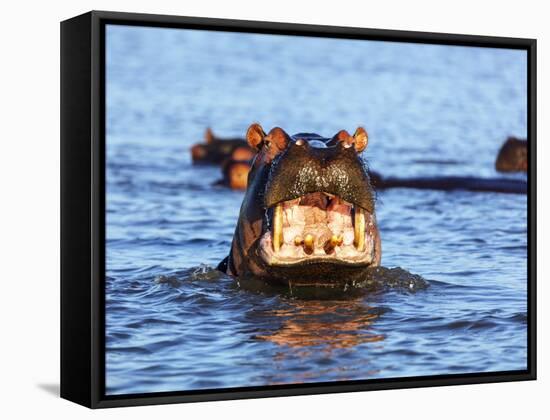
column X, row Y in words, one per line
column 331, row 316
column 320, row 330
column 173, row 323
column 327, row 325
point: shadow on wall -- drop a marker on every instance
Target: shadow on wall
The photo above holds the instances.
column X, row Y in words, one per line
column 52, row 389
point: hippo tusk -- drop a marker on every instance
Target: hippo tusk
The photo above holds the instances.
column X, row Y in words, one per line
column 277, row 227
column 333, row 242
column 309, row 243
column 359, row 230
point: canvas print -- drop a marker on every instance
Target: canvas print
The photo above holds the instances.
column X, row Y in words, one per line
column 296, row 209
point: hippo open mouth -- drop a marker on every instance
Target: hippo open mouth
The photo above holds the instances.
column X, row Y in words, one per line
column 318, row 227
column 308, row 213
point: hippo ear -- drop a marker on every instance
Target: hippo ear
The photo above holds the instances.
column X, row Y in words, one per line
column 361, row 139
column 255, row 136
column 208, row 136
column 343, row 137
column 277, row 139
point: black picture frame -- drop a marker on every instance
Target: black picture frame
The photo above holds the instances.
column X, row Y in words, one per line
column 83, row 208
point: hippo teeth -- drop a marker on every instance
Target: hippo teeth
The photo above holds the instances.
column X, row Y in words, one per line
column 318, row 224
column 309, row 244
column 333, row 242
column 277, row 227
column 359, row 228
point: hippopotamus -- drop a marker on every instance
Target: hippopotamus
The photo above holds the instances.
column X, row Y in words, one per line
column 512, row 156
column 216, row 150
column 235, row 173
column 308, row 214
column 450, row 183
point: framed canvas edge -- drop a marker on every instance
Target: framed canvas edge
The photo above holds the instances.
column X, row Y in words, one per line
column 99, row 19
column 75, row 205
column 311, row 389
column 303, row 29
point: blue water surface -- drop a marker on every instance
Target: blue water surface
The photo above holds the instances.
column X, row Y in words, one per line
column 173, row 323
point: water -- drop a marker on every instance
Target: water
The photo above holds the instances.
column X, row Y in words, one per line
column 173, row 323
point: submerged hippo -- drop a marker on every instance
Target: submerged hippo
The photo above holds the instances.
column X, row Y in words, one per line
column 512, row 156
column 308, row 215
column 235, row 173
column 450, row 183
column 216, row 150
